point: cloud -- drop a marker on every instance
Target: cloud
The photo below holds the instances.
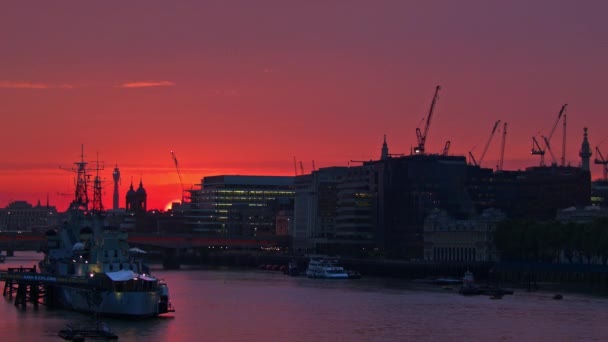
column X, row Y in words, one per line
column 33, row 85
column 144, row 84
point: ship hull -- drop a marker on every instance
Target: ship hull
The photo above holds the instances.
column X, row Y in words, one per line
column 133, row 305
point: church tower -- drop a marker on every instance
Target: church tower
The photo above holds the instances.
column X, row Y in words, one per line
column 585, row 153
column 384, row 153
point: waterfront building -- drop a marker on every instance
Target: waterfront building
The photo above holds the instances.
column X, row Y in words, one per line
column 22, row 216
column 599, row 193
column 579, row 215
column 536, row 193
column 284, row 222
column 409, row 189
column 335, row 210
column 316, row 208
column 235, row 205
column 450, row 239
column 303, row 214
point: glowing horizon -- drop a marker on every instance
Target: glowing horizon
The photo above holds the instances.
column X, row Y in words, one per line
column 244, row 87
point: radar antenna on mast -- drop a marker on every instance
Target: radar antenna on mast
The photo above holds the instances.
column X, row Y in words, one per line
column 81, row 196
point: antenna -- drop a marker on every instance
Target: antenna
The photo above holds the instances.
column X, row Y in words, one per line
column 97, row 189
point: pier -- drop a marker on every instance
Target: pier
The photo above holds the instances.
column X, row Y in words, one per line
column 29, row 286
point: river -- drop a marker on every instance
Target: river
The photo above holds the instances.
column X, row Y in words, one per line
column 255, row 305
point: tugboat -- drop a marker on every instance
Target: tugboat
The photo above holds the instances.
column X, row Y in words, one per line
column 100, row 273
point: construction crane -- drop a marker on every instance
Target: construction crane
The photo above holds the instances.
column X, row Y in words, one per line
column 301, row 168
column 502, row 147
column 601, row 161
column 422, row 136
column 564, row 141
column 181, row 183
column 446, row 148
column 536, row 149
column 547, row 139
column 485, row 149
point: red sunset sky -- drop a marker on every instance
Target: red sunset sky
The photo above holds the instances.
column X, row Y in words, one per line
column 241, row 86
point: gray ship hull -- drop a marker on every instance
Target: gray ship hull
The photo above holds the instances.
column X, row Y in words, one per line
column 108, row 303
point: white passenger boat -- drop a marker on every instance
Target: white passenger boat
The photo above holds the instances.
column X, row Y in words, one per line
column 325, row 268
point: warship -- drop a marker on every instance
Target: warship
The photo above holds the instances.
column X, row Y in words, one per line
column 107, row 277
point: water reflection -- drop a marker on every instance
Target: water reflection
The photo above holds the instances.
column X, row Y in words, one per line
column 253, row 305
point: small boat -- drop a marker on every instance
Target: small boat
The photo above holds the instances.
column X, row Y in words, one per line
column 558, row 296
column 88, row 329
column 325, row 268
column 468, row 285
column 496, row 296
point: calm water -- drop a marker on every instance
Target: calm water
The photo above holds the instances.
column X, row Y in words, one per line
column 252, row 305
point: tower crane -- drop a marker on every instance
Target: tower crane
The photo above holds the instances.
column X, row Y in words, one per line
column 536, row 149
column 547, row 139
column 422, row 136
column 446, row 148
column 485, row 149
column 601, row 161
column 502, row 147
column 178, row 174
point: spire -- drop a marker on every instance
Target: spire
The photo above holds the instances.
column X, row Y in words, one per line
column 585, row 152
column 384, row 153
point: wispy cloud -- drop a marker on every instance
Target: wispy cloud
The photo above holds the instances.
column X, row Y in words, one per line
column 33, row 85
column 144, row 84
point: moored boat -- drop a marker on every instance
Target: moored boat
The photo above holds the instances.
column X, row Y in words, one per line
column 104, row 276
column 468, row 285
column 325, row 268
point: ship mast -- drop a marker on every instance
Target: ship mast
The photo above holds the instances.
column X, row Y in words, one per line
column 81, row 194
column 97, row 204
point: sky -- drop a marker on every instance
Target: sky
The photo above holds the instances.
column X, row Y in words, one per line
column 243, row 87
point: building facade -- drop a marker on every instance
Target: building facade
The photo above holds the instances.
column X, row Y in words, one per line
column 234, row 205
column 468, row 240
column 22, row 216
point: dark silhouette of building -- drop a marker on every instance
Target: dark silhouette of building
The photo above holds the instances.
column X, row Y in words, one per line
column 22, row 216
column 137, row 201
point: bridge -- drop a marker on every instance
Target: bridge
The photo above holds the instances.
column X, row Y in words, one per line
column 171, row 246
column 33, row 241
column 197, row 241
